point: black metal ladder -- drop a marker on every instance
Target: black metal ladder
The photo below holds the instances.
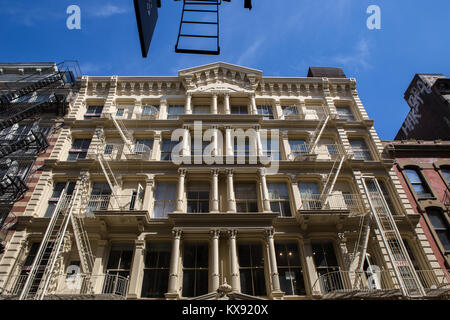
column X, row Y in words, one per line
column 204, row 9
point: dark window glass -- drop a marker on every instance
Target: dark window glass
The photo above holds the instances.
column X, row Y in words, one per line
column 195, row 270
column 326, row 265
column 239, row 110
column 118, row 269
column 251, row 269
column 279, row 199
column 156, row 272
column 290, row 269
column 440, row 226
column 246, row 198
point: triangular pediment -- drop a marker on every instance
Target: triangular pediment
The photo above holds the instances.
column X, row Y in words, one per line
column 220, row 76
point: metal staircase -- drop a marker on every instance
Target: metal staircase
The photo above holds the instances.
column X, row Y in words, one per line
column 43, row 266
column 11, row 189
column 21, row 111
column 404, row 270
column 332, row 177
column 35, row 140
column 206, row 14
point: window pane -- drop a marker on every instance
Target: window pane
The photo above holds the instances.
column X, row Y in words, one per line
column 308, row 188
column 413, row 176
column 436, row 219
column 446, row 173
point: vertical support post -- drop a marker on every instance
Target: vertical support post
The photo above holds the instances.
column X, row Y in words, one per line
column 265, row 190
column 230, row 192
column 180, row 191
column 276, row 292
column 233, row 261
column 227, row 103
column 215, row 191
column 134, row 290
column 172, row 293
column 214, row 104
column 188, row 106
column 214, row 270
column 253, row 104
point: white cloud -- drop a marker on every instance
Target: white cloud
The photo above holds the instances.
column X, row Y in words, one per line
column 250, row 52
column 359, row 58
column 107, row 11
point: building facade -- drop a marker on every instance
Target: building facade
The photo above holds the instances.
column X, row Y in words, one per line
column 428, row 96
column 424, row 171
column 295, row 226
column 29, row 121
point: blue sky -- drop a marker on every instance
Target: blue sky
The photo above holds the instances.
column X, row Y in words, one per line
column 281, row 38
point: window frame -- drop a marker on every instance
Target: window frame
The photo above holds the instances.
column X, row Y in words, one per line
column 253, row 269
column 444, row 217
column 174, row 116
column 289, row 267
column 265, row 110
column 166, row 202
column 364, row 151
column 424, row 182
column 281, row 200
column 97, row 112
column 196, row 268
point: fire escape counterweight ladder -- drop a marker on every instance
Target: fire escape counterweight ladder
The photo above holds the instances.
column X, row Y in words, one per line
column 203, row 9
column 398, row 255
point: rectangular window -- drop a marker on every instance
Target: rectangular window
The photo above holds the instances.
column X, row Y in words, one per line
column 109, row 149
column 246, row 198
column 143, row 145
column 266, row 111
column 251, row 269
column 166, row 149
column 198, row 197
column 271, row 150
column 360, row 150
column 174, row 111
column 298, row 147
column 290, row 111
column 156, row 270
column 148, row 110
column 56, row 196
column 326, row 265
column 165, row 198
column 290, row 269
column 201, row 109
column 100, row 197
column 79, row 149
column 119, row 112
column 198, row 150
column 242, row 150
column 118, row 269
column 195, row 269
column 345, row 113
column 279, row 199
column 309, row 192
column 239, row 110
column 387, row 197
column 93, row 112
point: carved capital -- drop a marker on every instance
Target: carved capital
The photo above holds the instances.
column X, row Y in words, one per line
column 215, row 172
column 232, row 233
column 229, row 172
column 215, row 233
column 269, row 232
column 176, row 233
column 182, row 172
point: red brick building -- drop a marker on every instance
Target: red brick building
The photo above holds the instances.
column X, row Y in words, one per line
column 423, row 168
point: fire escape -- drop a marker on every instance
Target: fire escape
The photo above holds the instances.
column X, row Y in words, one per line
column 25, row 99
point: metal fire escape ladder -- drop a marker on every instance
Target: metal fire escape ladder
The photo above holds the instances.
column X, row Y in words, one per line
column 315, row 137
column 33, row 138
column 53, row 241
column 106, row 168
column 47, row 254
column 398, row 255
column 208, row 9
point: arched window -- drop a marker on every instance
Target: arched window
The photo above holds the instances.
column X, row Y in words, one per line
column 418, row 183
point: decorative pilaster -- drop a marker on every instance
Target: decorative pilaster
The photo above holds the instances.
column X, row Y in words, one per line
column 134, row 291
column 253, row 104
column 163, row 109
